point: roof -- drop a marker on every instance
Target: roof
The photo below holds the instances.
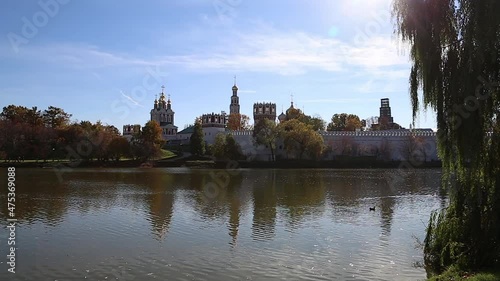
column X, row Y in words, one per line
column 170, row 126
column 188, row 130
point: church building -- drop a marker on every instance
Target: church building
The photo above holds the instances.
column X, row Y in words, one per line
column 163, row 114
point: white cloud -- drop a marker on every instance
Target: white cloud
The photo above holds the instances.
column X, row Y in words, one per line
column 77, row 55
column 131, row 100
column 266, row 50
column 291, row 54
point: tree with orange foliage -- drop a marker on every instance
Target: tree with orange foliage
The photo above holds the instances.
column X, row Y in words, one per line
column 238, row 122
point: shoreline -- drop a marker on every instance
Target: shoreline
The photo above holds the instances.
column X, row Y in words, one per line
column 205, row 163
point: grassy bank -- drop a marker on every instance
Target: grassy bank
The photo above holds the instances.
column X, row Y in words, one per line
column 166, row 154
column 455, row 274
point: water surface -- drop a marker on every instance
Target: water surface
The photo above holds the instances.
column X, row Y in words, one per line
column 181, row 224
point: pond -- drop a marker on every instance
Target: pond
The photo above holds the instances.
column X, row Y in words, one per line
column 202, row 224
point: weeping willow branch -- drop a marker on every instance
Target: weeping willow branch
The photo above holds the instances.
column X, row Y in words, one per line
column 455, row 51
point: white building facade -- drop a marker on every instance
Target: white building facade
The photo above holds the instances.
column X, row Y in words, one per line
column 163, row 114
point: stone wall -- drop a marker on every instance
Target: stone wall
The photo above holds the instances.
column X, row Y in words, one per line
column 397, row 145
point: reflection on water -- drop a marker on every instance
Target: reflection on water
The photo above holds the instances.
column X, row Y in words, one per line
column 179, row 224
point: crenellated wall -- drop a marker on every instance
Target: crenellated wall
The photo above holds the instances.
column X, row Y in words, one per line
column 397, row 145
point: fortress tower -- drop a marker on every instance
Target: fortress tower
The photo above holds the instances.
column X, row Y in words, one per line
column 264, row 110
column 212, row 120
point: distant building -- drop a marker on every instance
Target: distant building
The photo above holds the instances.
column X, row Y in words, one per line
column 163, row 114
column 184, row 136
column 282, row 116
column 386, row 144
column 385, row 111
column 214, row 120
column 264, row 110
column 130, row 130
column 212, row 124
column 385, row 120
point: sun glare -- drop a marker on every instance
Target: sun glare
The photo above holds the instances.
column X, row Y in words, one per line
column 362, row 9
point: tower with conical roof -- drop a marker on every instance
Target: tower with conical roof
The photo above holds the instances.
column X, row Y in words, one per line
column 234, row 107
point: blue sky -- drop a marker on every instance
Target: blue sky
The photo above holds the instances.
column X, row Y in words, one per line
column 106, row 60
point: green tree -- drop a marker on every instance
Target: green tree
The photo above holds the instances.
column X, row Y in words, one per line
column 300, row 138
column 197, row 141
column 266, row 133
column 353, row 123
column 316, row 122
column 21, row 114
column 315, row 145
column 24, row 135
column 102, row 137
column 293, row 113
column 55, row 117
column 219, row 146
column 225, row 147
column 151, row 139
column 119, row 147
column 456, row 67
column 344, row 122
column 232, row 148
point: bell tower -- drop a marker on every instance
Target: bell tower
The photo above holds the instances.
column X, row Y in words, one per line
column 234, row 107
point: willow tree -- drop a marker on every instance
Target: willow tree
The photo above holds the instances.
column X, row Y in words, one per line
column 454, row 48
